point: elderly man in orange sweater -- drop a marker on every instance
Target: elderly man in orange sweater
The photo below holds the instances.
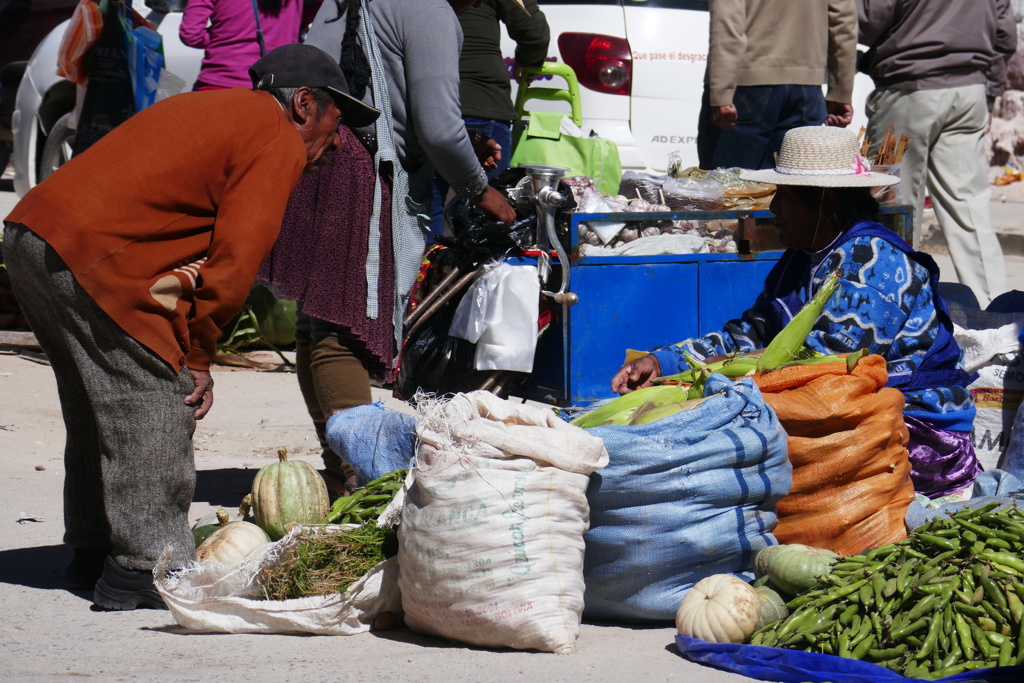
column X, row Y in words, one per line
column 127, row 261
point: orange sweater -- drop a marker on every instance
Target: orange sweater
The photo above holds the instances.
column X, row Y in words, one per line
column 166, row 220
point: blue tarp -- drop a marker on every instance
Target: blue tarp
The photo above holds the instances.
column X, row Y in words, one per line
column 779, row 664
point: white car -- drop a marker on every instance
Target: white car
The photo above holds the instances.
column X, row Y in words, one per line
column 640, row 64
column 42, row 138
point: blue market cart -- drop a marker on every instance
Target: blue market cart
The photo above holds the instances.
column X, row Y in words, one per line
column 638, row 302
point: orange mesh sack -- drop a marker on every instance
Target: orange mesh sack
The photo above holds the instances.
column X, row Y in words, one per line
column 848, row 447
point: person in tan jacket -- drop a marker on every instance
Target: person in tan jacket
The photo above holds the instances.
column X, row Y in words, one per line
column 127, row 261
column 767, row 62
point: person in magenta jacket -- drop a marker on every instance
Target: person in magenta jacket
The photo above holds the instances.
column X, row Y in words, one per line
column 226, row 30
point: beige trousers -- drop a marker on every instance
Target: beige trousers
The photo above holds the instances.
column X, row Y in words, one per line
column 947, row 156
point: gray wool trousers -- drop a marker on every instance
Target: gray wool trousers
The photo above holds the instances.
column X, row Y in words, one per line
column 129, row 467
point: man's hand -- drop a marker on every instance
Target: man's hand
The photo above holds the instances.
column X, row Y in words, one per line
column 636, row 374
column 202, row 396
column 493, row 202
column 487, row 150
column 838, row 114
column 725, row 116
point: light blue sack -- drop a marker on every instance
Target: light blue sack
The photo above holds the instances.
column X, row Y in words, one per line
column 991, row 486
column 373, row 439
column 682, row 498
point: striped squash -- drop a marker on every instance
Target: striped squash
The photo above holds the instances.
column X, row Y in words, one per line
column 287, row 492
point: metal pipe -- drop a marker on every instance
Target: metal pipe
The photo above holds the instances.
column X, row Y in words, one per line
column 444, row 297
column 415, row 314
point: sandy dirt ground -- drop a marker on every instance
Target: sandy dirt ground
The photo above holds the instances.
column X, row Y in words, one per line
column 48, row 633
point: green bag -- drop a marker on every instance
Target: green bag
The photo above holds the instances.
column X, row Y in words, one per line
column 539, row 141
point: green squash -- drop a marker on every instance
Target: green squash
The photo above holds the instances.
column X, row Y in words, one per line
column 288, row 492
column 773, row 607
column 793, row 568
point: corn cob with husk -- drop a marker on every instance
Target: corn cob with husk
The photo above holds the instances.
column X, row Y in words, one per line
column 787, row 348
column 637, row 407
column 788, row 343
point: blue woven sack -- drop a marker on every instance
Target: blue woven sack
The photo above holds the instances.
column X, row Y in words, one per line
column 682, row 498
column 373, row 439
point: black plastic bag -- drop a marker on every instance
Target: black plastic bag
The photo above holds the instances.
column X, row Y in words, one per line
column 477, row 234
column 436, row 362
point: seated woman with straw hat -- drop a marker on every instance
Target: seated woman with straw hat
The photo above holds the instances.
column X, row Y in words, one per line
column 888, row 301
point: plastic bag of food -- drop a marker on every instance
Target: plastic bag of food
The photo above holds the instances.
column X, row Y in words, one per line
column 682, row 498
column 645, row 186
column 847, row 443
column 219, row 598
column 694, row 194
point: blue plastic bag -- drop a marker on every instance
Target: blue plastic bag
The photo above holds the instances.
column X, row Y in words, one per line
column 144, row 48
column 682, row 498
column 373, row 439
column 779, row 664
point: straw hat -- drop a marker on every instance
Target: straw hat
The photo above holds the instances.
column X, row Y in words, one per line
column 820, row 156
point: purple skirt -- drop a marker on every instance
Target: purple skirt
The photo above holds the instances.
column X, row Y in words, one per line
column 320, row 256
column 942, row 462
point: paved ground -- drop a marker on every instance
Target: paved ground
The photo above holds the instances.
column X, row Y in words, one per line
column 51, row 634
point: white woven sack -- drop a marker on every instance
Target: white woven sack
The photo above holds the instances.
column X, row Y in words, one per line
column 991, row 348
column 491, row 540
column 224, row 599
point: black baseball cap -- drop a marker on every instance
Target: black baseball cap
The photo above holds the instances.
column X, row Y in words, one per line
column 297, row 65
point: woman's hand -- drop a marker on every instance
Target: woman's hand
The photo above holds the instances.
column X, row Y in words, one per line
column 636, row 374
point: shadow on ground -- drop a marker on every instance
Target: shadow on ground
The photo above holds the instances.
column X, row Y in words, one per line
column 40, row 567
column 223, row 487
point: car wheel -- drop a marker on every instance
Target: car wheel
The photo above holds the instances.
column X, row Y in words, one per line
column 57, row 149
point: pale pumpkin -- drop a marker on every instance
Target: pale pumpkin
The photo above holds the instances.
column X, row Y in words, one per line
column 773, row 607
column 288, row 492
column 231, row 544
column 205, row 527
column 794, row 568
column 719, row 609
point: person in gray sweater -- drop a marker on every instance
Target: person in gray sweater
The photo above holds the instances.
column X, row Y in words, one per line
column 420, row 42
column 353, row 237
column 938, row 67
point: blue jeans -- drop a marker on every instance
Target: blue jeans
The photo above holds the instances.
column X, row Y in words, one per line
column 765, row 113
column 500, row 132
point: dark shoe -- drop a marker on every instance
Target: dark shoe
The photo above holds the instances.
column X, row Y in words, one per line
column 338, row 483
column 123, row 589
column 85, row 568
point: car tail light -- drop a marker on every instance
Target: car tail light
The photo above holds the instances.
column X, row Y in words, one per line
column 601, row 63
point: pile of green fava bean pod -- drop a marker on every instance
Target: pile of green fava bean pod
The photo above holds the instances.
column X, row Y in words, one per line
column 366, row 504
column 947, row 599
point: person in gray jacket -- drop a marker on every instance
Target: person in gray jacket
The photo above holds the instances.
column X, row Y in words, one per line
column 353, row 236
column 938, row 67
